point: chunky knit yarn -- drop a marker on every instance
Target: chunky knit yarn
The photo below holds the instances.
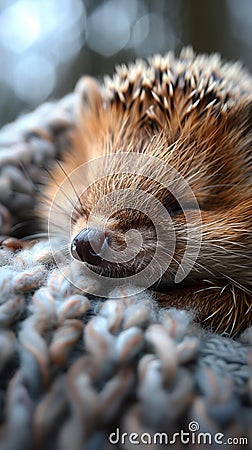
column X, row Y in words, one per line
column 75, row 368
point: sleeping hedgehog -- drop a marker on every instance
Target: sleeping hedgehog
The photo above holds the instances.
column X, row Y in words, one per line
column 173, row 141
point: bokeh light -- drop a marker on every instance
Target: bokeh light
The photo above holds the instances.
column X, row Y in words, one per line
column 45, row 46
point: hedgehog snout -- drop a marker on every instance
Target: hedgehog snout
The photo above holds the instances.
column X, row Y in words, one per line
column 89, row 245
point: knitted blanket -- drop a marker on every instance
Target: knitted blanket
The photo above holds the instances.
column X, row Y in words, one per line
column 77, row 371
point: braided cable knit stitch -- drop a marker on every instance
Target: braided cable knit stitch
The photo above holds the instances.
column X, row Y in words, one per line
column 75, row 368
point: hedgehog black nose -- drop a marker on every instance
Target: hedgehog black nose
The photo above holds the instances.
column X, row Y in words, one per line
column 89, row 245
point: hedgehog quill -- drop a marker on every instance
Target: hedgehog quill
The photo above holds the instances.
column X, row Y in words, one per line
column 160, row 167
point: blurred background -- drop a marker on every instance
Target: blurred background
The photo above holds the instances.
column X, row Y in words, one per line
column 46, row 45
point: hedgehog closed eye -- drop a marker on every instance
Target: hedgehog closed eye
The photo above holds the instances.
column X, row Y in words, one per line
column 156, row 189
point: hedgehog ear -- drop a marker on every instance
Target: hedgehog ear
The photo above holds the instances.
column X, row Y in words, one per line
column 89, row 97
column 88, row 107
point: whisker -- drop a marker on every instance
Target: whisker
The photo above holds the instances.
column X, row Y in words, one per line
column 36, row 186
column 36, row 235
column 63, row 191
column 72, row 185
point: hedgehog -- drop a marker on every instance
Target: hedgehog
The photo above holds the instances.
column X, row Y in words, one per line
column 192, row 114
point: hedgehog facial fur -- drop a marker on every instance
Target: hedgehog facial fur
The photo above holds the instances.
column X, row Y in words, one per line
column 193, row 114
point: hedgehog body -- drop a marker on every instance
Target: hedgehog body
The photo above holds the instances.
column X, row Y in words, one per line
column 193, row 114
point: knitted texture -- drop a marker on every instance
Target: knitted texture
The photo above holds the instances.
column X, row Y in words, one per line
column 75, row 368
